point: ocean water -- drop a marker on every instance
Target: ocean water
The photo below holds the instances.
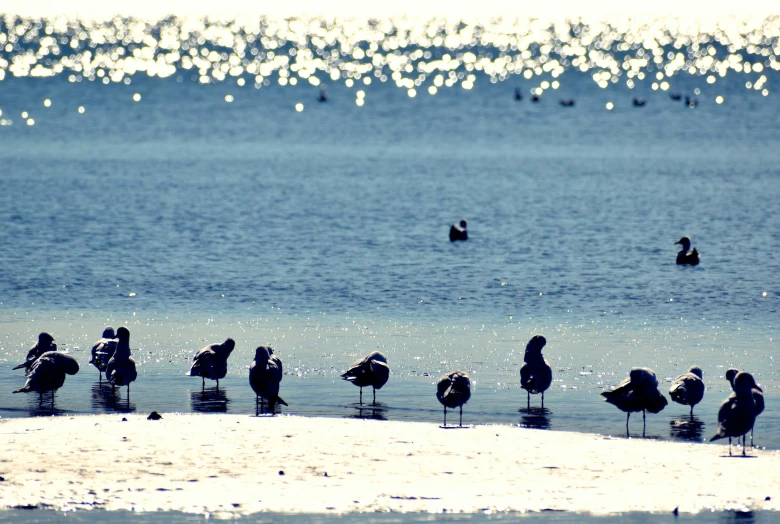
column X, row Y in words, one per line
column 197, row 204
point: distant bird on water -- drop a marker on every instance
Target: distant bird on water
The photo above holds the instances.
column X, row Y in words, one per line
column 44, row 345
column 566, row 102
column 737, row 414
column 675, row 96
column 48, row 372
column 639, row 392
column 369, row 371
column 458, row 231
column 323, row 97
column 120, row 370
column 688, row 388
column 454, row 390
column 535, row 373
column 685, row 256
column 691, row 102
column 211, row 361
column 265, row 374
column 103, row 350
column 756, row 391
column 639, row 102
column 518, row 94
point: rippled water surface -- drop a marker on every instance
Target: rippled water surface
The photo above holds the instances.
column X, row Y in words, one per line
column 192, row 187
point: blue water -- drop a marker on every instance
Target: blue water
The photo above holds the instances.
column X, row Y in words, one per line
column 323, row 233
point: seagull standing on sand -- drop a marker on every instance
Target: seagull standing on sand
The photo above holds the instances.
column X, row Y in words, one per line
column 265, row 374
column 639, row 392
column 458, row 231
column 737, row 414
column 454, row 390
column 47, row 373
column 103, row 350
column 370, row 371
column 757, row 392
column 688, row 389
column 685, row 256
column 45, row 344
column 120, row 370
column 211, row 362
column 535, row 373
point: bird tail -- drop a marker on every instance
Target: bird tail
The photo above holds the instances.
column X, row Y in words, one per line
column 717, row 436
column 279, row 400
column 25, row 389
column 350, row 378
column 276, row 400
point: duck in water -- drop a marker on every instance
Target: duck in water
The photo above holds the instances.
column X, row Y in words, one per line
column 685, row 256
column 120, row 370
column 458, row 231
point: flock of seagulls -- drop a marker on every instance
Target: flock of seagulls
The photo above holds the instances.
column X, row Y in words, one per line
column 46, row 368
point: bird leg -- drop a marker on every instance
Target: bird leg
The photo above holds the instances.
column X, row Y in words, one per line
column 100, row 377
column 529, row 399
column 374, row 404
column 729, row 446
column 257, row 405
column 644, row 423
column 751, row 438
column 217, row 384
column 203, row 385
column 445, row 416
column 461, row 416
column 52, row 400
column 691, row 410
column 542, row 399
column 744, row 441
column 40, row 401
column 361, row 395
column 628, row 416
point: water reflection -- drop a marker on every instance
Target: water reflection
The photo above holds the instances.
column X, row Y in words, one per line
column 369, row 411
column 209, row 400
column 536, row 418
column 40, row 405
column 108, row 398
column 687, row 428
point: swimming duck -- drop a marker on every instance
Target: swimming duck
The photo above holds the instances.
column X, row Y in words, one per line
column 454, row 390
column 458, row 231
column 685, row 256
column 323, row 97
column 639, row 102
column 639, row 392
column 518, row 94
column 211, row 361
column 369, row 371
column 688, row 388
column 566, row 102
column 535, row 373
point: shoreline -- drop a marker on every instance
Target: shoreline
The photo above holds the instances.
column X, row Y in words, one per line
column 240, row 465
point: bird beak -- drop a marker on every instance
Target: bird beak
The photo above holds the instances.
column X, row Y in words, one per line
column 758, row 388
column 678, row 242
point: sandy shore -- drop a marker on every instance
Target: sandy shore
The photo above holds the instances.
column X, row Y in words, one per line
column 229, row 464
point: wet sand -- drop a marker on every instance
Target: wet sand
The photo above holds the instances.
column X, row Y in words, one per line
column 237, row 464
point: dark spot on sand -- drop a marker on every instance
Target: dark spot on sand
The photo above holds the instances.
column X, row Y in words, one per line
column 24, row 506
column 163, row 489
column 552, row 509
column 326, row 474
column 281, row 472
column 124, row 419
column 236, row 505
column 153, row 416
column 192, row 480
column 676, row 511
column 2, row 479
column 768, row 498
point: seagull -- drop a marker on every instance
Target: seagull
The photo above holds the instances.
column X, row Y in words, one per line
column 47, row 373
column 120, row 370
column 211, row 362
column 369, row 371
column 758, row 396
column 458, row 231
column 688, row 389
column 685, row 256
column 103, row 350
column 45, row 344
column 265, row 373
column 737, row 414
column 639, row 392
column 454, row 390
column 535, row 373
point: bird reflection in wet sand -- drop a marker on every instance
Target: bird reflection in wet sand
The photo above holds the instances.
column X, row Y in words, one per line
column 687, row 428
column 535, row 418
column 370, row 411
column 209, row 400
column 108, row 398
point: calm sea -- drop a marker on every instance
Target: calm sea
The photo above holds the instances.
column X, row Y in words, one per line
column 218, row 199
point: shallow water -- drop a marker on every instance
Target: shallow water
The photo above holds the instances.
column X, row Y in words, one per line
column 324, row 234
